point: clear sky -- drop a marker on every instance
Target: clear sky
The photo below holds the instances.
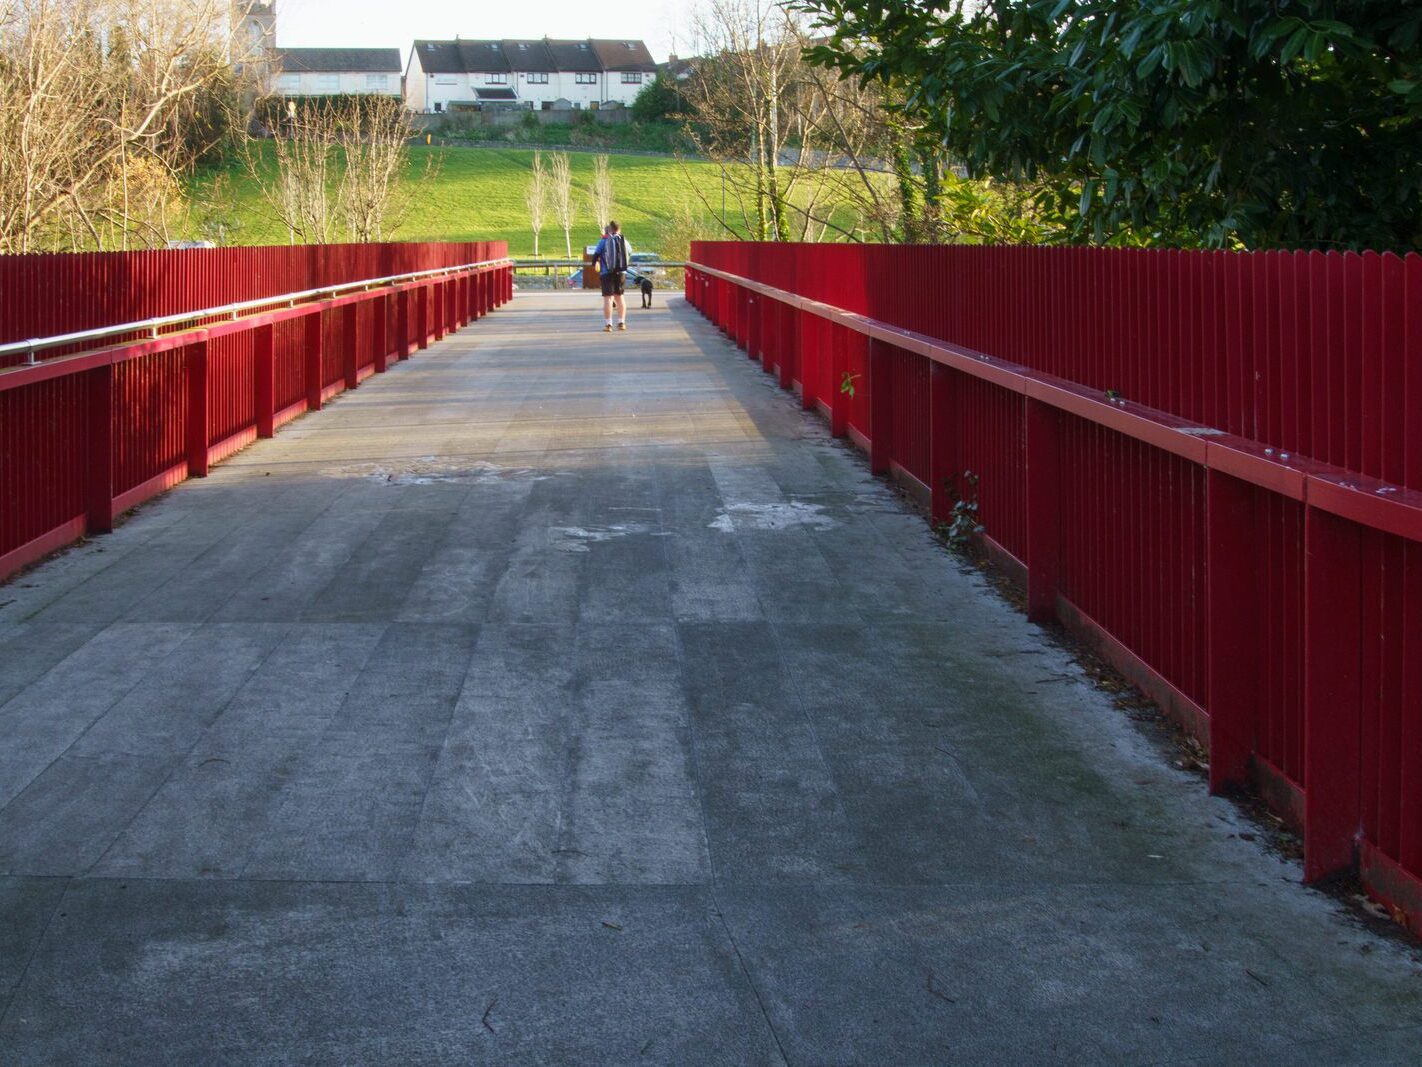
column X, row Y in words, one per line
column 664, row 24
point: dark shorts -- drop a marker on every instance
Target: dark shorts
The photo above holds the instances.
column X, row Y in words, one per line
column 614, row 283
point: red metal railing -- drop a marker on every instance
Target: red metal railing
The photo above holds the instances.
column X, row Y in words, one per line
column 87, row 434
column 1210, row 464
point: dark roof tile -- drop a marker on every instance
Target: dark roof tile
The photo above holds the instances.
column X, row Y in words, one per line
column 497, row 57
column 624, row 55
column 574, row 55
column 331, row 60
column 528, row 56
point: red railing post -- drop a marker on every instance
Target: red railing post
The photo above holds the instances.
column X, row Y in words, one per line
column 441, row 316
column 198, row 415
column 1332, row 713
column 1043, row 451
column 881, row 402
column 943, row 430
column 422, row 339
column 789, row 345
column 99, row 451
column 811, row 330
column 314, row 369
column 839, row 365
column 774, row 337
column 348, row 346
column 402, row 324
column 785, row 357
column 264, row 379
column 1232, row 626
column 380, row 329
column 754, row 325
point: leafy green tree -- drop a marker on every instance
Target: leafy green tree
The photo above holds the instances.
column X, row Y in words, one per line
column 659, row 101
column 1255, row 123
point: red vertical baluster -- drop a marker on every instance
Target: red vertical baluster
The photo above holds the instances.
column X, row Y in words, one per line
column 198, row 409
column 264, row 379
column 313, row 371
column 380, row 330
column 1332, row 700
column 98, row 450
column 349, row 336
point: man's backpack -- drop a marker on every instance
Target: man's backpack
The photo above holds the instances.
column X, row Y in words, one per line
column 614, row 255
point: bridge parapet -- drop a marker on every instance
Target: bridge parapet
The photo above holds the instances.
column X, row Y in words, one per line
column 203, row 351
column 1207, row 464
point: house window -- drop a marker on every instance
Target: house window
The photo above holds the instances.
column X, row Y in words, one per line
column 586, row 79
column 328, row 83
column 290, row 83
column 496, row 79
column 631, row 77
column 536, row 79
column 377, row 81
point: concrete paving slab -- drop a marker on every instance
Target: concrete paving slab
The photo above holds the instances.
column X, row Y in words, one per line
column 27, row 905
column 583, row 687
column 47, row 717
column 247, row 972
column 968, row 975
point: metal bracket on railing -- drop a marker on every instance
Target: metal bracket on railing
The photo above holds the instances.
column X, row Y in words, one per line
column 30, row 356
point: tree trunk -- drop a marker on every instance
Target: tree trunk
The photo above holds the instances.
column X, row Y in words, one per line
column 911, row 224
column 932, row 192
column 782, row 224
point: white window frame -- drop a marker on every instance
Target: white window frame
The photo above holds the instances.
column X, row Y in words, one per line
column 496, row 79
column 377, row 81
column 290, row 83
column 585, row 78
column 536, row 79
column 328, row 83
column 631, row 77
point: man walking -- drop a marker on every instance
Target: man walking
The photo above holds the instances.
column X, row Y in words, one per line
column 612, row 255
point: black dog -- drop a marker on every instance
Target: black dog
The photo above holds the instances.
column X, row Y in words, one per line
column 646, row 286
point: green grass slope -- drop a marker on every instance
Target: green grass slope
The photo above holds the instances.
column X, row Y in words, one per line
column 478, row 194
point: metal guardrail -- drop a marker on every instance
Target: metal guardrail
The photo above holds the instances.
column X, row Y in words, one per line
column 154, row 325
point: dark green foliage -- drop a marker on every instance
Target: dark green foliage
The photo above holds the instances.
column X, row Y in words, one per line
column 659, row 101
column 1261, row 123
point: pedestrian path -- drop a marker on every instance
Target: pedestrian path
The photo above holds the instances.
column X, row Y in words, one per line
column 570, row 698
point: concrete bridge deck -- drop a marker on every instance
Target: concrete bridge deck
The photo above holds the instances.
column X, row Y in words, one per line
column 569, row 698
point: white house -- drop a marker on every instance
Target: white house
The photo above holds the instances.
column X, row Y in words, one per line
column 336, row 72
column 533, row 74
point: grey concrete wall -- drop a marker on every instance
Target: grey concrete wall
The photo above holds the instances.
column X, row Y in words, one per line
column 463, row 121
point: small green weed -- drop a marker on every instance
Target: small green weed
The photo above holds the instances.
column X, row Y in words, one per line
column 959, row 530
